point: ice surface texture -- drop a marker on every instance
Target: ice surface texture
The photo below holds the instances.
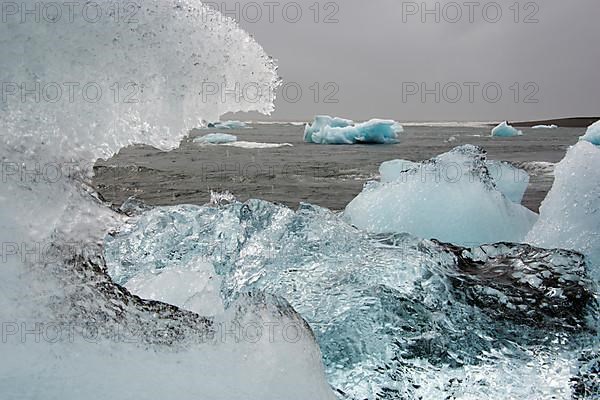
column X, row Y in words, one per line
column 328, row 130
column 395, row 316
column 216, row 138
column 137, row 75
column 509, row 180
column 592, row 134
column 570, row 214
column 505, row 130
column 457, row 197
column 155, row 71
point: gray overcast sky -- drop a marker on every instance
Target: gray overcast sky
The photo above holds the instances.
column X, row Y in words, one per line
column 380, row 54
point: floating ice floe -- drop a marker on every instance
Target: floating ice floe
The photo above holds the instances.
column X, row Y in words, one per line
column 257, row 145
column 228, row 125
column 545, row 127
column 570, row 214
column 456, row 197
column 592, row 134
column 328, row 130
column 216, row 138
column 505, row 130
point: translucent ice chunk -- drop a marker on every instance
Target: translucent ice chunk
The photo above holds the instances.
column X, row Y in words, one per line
column 389, row 171
column 570, row 214
column 193, row 287
column 452, row 197
column 592, row 134
column 395, row 316
column 509, row 180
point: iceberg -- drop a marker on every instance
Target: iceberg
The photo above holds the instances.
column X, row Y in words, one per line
column 452, row 197
column 227, row 125
column 328, row 130
column 257, row 145
column 545, row 127
column 509, row 180
column 592, row 134
column 570, row 214
column 505, row 130
column 395, row 316
column 216, row 138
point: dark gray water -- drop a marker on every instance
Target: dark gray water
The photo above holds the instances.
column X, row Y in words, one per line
column 330, row 176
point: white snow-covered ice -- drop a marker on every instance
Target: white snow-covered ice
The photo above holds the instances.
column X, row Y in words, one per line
column 328, row 130
column 505, row 130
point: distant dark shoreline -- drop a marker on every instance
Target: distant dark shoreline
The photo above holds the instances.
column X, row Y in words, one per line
column 576, row 122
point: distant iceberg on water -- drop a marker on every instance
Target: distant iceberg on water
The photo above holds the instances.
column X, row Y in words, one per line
column 505, row 130
column 545, row 127
column 330, row 130
column 226, row 139
column 216, row 138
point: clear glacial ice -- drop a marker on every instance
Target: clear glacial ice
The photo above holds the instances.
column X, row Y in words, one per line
column 456, row 197
column 395, row 316
column 247, row 300
column 70, row 332
column 505, row 130
column 508, row 179
column 570, row 214
column 327, row 130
